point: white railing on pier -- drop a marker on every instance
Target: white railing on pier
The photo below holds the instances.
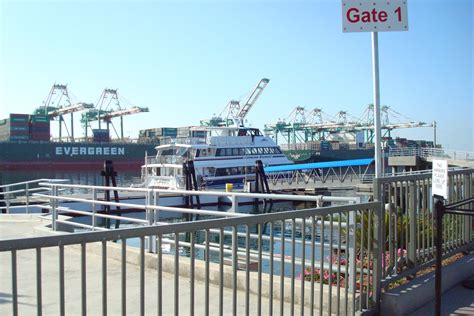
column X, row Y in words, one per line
column 21, row 193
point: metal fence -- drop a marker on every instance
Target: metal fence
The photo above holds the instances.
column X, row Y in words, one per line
column 429, row 152
column 409, row 222
column 328, row 260
column 314, row 260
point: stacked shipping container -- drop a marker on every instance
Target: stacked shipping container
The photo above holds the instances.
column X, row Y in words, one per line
column 15, row 128
column 101, row 135
column 39, row 127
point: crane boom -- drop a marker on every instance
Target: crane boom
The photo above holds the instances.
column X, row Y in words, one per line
column 70, row 109
column 252, row 98
column 133, row 110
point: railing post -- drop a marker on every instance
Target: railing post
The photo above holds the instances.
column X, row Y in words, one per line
column 54, row 212
column 352, row 250
column 467, row 219
column 156, row 202
column 378, row 243
column 27, row 194
column 6, row 197
column 439, row 212
column 94, row 198
column 412, row 238
column 234, row 208
column 150, row 217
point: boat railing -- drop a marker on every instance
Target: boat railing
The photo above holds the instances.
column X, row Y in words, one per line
column 18, row 196
column 182, row 140
column 166, row 160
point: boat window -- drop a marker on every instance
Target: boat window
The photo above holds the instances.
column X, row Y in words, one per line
column 266, row 150
column 236, row 151
column 250, row 169
column 248, row 151
column 221, row 172
column 260, row 150
column 254, row 151
column 277, row 150
column 198, row 152
column 228, row 151
column 210, row 171
column 220, row 152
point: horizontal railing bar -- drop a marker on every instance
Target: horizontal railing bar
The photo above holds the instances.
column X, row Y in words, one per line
column 79, row 224
column 145, row 207
column 23, row 206
column 264, row 237
column 51, row 241
column 90, row 214
column 242, row 253
column 411, row 177
column 217, row 193
column 32, row 181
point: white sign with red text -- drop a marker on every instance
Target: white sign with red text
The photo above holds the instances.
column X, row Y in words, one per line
column 374, row 16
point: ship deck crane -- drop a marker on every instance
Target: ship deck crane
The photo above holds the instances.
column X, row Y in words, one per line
column 101, row 113
column 236, row 112
column 58, row 103
column 301, row 126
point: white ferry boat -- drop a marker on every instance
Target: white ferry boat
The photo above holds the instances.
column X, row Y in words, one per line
column 220, row 155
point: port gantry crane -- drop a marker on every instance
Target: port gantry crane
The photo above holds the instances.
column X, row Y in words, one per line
column 103, row 111
column 235, row 113
column 57, row 104
column 303, row 126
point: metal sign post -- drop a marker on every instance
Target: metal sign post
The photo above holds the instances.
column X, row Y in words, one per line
column 375, row 16
column 378, row 134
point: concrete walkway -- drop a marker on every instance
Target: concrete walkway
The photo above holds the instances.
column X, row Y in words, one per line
column 457, row 301
column 27, row 226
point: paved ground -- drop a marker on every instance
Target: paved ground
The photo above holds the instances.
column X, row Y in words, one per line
column 50, row 283
column 457, row 301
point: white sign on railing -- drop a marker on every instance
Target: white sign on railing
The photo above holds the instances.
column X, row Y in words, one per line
column 440, row 178
column 374, row 16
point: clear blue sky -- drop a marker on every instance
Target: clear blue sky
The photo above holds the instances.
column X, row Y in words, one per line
column 186, row 59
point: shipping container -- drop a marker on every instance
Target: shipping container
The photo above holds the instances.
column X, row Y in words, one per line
column 39, row 118
column 19, row 118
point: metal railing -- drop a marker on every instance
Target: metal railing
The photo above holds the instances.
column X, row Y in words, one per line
column 426, row 152
column 11, row 194
column 313, row 259
column 149, row 203
column 409, row 222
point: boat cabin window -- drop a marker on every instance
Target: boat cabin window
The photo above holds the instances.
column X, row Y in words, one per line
column 249, row 132
column 220, row 152
column 233, row 171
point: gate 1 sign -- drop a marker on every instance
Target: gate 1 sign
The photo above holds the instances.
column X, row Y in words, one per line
column 440, row 178
column 374, row 16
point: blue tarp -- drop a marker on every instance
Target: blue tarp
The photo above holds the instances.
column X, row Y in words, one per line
column 320, row 165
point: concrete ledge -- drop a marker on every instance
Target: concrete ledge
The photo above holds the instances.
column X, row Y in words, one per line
column 407, row 298
column 20, row 217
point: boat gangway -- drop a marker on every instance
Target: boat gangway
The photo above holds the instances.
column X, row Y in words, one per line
column 329, row 174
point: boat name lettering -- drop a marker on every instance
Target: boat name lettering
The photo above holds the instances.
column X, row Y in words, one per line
column 89, row 151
